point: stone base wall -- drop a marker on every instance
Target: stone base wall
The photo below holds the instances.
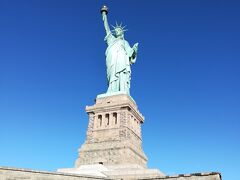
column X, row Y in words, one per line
column 194, row 176
column 110, row 153
column 26, row 174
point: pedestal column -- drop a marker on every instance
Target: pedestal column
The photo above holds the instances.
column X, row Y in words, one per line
column 114, row 133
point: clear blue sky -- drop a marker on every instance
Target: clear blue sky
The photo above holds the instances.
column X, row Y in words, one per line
column 186, row 80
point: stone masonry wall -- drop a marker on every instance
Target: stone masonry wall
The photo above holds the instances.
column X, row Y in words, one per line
column 193, row 176
column 25, row 174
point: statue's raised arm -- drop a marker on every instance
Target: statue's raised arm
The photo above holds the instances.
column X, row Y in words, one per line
column 104, row 12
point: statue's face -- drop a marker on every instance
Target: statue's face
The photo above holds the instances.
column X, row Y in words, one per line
column 118, row 32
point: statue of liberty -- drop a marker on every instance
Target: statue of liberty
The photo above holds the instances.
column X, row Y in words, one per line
column 119, row 57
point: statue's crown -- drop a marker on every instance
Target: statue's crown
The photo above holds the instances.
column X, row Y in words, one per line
column 119, row 26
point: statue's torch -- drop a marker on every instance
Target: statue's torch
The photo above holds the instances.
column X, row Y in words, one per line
column 104, row 9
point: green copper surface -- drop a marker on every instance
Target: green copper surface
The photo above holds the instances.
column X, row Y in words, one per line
column 119, row 58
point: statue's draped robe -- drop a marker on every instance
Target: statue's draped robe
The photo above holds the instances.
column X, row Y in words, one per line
column 119, row 57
